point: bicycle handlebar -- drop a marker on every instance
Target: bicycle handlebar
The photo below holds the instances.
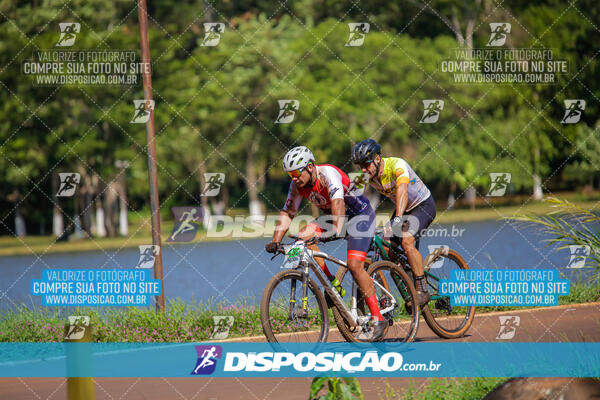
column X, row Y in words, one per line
column 315, row 239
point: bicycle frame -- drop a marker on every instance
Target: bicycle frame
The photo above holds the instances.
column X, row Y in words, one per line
column 307, row 261
column 379, row 244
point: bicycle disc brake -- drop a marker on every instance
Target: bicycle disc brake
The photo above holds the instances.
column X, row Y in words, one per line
column 384, row 303
column 299, row 317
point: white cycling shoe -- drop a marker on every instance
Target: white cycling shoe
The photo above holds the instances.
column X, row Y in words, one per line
column 376, row 331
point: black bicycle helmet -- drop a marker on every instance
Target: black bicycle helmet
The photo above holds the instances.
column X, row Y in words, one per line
column 365, row 151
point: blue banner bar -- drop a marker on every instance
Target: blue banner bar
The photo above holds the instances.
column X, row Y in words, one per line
column 300, row 359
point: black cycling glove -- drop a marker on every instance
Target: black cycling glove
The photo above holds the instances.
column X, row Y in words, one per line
column 272, row 247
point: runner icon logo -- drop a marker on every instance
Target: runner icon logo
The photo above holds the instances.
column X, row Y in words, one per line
column 573, row 110
column 499, row 183
column 358, row 31
column 500, row 31
column 222, row 325
column 186, row 223
column 212, row 35
column 287, row 111
column 212, row 183
column 431, row 111
column 207, row 359
column 68, row 183
column 508, row 327
column 68, row 33
column 77, row 326
column 143, row 108
column 579, row 255
column 147, row 255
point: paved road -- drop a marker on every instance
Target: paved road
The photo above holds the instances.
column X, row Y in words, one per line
column 572, row 323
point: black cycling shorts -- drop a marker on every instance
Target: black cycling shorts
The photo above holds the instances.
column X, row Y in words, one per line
column 418, row 219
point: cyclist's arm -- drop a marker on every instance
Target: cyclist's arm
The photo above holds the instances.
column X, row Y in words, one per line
column 338, row 211
column 402, row 180
column 283, row 224
column 401, row 198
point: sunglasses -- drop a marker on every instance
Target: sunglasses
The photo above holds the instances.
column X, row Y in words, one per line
column 295, row 173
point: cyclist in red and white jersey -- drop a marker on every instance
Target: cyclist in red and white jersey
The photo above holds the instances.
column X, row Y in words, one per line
column 327, row 187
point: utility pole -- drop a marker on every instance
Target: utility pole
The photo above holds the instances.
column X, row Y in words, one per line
column 151, row 148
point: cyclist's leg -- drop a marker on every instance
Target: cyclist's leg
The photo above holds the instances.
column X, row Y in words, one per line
column 311, row 230
column 416, row 221
column 360, row 231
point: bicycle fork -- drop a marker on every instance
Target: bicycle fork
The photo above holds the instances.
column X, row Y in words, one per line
column 293, row 309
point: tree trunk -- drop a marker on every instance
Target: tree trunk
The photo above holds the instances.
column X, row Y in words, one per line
column 469, row 34
column 20, row 230
column 206, row 220
column 123, row 220
column 100, row 222
column 220, row 206
column 110, row 208
column 209, row 11
column 470, row 195
column 77, row 210
column 456, row 25
column 87, row 190
column 537, row 187
column 451, row 197
column 537, row 181
column 58, row 225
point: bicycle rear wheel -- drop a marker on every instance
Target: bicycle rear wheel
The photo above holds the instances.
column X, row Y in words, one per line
column 446, row 321
column 281, row 313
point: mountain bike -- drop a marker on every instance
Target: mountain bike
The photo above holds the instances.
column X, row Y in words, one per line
column 294, row 308
column 445, row 320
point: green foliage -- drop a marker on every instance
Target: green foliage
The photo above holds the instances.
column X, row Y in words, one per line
column 346, row 388
column 570, row 224
column 215, row 106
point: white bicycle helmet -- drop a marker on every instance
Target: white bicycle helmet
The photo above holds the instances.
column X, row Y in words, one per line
column 297, row 158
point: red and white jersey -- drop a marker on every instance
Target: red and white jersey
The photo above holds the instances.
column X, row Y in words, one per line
column 331, row 183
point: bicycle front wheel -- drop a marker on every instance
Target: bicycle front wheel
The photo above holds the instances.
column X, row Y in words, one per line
column 283, row 315
column 445, row 320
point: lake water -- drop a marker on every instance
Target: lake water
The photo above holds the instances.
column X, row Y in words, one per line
column 228, row 271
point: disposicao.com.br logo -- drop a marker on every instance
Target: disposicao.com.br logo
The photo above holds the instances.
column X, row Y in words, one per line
column 369, row 361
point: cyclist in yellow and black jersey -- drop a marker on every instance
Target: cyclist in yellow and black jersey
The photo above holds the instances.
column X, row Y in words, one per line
column 415, row 207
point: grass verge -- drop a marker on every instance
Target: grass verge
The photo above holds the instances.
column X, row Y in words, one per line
column 182, row 322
